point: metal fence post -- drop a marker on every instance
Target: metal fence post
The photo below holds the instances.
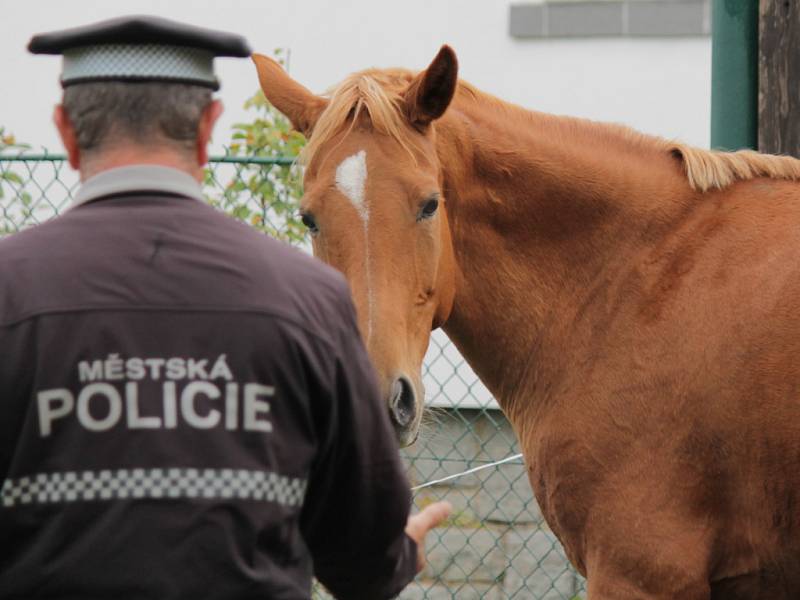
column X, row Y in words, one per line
column 734, row 74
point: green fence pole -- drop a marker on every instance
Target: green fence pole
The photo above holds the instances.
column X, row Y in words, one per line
column 734, row 74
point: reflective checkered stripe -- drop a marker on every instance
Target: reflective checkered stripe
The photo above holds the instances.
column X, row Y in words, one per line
column 139, row 61
column 120, row 484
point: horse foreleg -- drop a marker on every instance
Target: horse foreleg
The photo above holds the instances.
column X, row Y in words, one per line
column 630, row 568
column 615, row 586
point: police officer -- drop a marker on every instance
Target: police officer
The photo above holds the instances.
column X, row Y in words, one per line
column 186, row 408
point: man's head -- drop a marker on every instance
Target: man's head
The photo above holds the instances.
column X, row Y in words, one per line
column 106, row 122
column 138, row 90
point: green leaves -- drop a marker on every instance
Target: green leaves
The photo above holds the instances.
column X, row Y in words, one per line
column 12, row 177
column 13, row 182
column 9, row 142
column 263, row 194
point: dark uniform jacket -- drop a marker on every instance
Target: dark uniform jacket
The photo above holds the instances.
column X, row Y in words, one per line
column 187, row 411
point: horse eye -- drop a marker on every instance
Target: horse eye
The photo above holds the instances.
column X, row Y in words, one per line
column 308, row 221
column 429, row 209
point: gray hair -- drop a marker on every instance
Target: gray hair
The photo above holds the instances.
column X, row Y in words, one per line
column 105, row 113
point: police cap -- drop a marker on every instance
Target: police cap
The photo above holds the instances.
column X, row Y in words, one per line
column 140, row 48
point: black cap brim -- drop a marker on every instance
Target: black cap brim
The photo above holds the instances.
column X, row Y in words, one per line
column 141, row 30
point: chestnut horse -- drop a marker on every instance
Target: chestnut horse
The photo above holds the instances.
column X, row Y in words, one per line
column 632, row 303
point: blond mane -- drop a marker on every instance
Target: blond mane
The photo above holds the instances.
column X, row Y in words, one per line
column 378, row 93
column 709, row 169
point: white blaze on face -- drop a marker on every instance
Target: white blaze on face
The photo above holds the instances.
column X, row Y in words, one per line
column 351, row 179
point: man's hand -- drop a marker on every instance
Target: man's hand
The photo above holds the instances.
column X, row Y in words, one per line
column 421, row 523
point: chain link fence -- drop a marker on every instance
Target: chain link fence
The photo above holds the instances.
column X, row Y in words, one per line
column 496, row 544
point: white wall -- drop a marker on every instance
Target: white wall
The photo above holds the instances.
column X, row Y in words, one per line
column 660, row 86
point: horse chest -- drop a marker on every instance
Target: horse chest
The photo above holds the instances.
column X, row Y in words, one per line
column 565, row 478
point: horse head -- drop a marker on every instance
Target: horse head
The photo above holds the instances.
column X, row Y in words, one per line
column 375, row 206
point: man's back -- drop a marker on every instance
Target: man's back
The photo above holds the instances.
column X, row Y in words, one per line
column 181, row 419
column 186, row 407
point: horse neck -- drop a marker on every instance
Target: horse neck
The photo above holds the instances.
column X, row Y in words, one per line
column 542, row 211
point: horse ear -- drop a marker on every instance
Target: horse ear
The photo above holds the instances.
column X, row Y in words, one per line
column 300, row 106
column 430, row 93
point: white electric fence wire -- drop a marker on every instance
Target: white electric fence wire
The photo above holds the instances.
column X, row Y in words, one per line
column 467, row 472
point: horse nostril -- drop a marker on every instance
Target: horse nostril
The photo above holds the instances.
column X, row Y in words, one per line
column 402, row 404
